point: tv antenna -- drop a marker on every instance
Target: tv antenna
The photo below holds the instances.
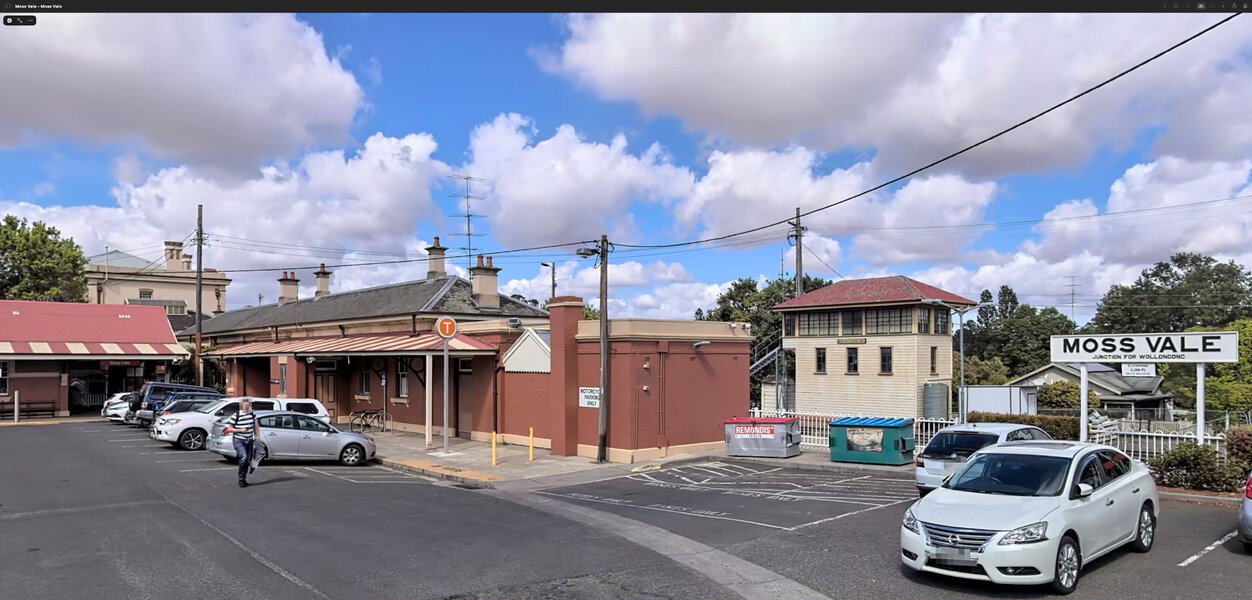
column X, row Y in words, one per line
column 469, row 217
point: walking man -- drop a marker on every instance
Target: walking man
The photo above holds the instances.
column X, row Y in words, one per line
column 245, row 429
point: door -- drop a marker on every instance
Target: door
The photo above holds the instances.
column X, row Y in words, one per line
column 464, row 413
column 1094, row 516
column 1117, row 468
column 324, row 391
column 281, row 435
column 317, row 441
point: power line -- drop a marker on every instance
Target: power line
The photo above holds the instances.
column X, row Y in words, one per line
column 819, row 259
column 954, row 154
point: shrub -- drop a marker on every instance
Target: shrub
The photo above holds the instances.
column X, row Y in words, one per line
column 1060, row 428
column 1239, row 447
column 1195, row 467
column 1065, row 394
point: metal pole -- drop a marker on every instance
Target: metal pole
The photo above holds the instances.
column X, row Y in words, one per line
column 602, row 448
column 428, row 374
column 199, row 292
column 961, row 401
column 445, row 395
column 1199, row 403
column 799, row 256
column 1082, row 391
column 554, row 279
column 17, row 405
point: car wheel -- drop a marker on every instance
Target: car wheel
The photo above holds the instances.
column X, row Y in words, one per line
column 1068, row 564
column 1247, row 547
column 352, row 455
column 1145, row 531
column 192, row 439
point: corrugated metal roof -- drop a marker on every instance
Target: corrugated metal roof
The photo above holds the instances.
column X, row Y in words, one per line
column 363, row 344
column 873, row 291
column 115, row 258
column 77, row 322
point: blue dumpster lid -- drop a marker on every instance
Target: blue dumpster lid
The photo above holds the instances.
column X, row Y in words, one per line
column 873, row 421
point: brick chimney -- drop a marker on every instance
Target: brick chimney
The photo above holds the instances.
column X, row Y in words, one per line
column 483, row 282
column 173, row 256
column 323, row 282
column 288, row 288
column 434, row 264
column 186, row 262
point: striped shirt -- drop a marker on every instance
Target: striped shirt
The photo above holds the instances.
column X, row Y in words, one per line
column 247, row 421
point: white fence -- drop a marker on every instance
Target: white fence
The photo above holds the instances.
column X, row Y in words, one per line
column 1138, row 444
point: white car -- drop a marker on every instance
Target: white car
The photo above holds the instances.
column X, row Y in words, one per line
column 115, row 407
column 947, row 452
column 1032, row 513
column 190, row 430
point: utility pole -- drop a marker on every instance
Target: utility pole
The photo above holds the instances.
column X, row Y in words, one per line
column 468, row 215
column 602, row 449
column 1073, row 286
column 199, row 289
column 553, row 265
column 798, row 235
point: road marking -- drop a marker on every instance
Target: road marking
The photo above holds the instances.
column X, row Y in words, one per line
column 210, row 469
column 124, row 440
column 77, row 509
column 668, row 509
column 855, row 512
column 181, row 460
column 1209, row 548
column 148, row 446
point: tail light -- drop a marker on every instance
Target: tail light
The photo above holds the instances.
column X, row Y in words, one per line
column 920, row 462
column 1248, row 493
column 165, row 412
column 143, row 406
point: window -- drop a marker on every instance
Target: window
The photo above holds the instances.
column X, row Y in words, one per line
column 821, row 360
column 145, row 294
column 311, row 424
column 282, row 380
column 852, row 322
column 402, row 379
column 4, row 377
column 465, row 365
column 175, row 309
column 278, row 422
column 942, row 325
column 852, row 352
column 363, row 383
column 923, row 321
column 934, row 360
column 1115, row 464
column 263, row 405
column 1019, row 435
column 307, row 408
column 885, row 353
column 1039, row 434
column 789, row 324
column 819, row 323
column 889, row 320
column 1089, row 473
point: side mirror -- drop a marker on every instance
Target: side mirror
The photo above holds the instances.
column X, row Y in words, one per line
column 1084, row 490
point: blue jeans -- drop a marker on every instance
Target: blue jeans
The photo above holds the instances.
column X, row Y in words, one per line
column 243, row 449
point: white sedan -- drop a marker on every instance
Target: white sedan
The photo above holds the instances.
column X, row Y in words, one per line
column 115, row 407
column 1032, row 513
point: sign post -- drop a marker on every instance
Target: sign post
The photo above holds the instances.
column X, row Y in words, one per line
column 1200, row 348
column 446, row 328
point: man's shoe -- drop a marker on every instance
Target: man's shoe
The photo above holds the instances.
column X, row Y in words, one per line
column 243, row 484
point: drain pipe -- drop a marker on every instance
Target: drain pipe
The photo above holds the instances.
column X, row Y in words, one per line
column 495, row 397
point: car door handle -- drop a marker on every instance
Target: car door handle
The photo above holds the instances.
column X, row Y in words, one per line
column 1135, row 491
column 1109, row 502
column 304, row 437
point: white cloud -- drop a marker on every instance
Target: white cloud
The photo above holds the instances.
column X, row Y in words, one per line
column 916, row 87
column 943, row 200
column 673, row 301
column 826, row 249
column 43, row 188
column 209, row 90
column 580, row 189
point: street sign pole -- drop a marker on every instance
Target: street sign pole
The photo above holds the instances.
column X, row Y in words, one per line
column 446, row 328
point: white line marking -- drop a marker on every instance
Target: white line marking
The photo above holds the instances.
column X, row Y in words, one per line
column 212, row 469
column 134, row 439
column 148, row 446
column 77, row 509
column 714, row 472
column 182, row 460
column 675, row 512
column 855, row 512
column 1209, row 548
column 388, row 481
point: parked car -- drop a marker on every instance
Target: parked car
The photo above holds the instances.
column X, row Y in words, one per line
column 292, row 435
column 1032, row 513
column 190, row 430
column 115, row 407
column 1245, row 518
column 153, row 395
column 177, row 404
column 947, row 452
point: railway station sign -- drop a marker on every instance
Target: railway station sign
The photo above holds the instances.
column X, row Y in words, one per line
column 1203, row 347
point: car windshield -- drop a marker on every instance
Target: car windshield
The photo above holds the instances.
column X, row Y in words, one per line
column 1012, row 475
column 958, row 444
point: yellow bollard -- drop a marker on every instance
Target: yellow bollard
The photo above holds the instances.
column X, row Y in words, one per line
column 532, row 443
column 493, row 448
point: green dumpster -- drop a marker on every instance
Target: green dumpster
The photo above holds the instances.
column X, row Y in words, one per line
column 878, row 440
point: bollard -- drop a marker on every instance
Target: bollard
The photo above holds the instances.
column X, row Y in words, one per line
column 16, row 405
column 532, row 443
column 493, row 448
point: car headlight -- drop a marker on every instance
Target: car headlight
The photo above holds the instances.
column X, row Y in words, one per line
column 910, row 522
column 171, row 421
column 1029, row 534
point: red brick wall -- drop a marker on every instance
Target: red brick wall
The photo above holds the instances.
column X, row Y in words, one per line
column 41, row 387
column 703, row 388
column 527, row 395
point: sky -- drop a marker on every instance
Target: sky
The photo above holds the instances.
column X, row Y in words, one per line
column 318, row 138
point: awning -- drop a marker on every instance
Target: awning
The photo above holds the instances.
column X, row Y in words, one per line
column 89, row 351
column 367, row 345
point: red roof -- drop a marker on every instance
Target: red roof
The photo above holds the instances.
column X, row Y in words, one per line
column 873, row 291
column 384, row 344
column 47, row 329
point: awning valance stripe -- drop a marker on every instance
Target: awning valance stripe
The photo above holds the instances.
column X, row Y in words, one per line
column 72, row 349
column 372, row 344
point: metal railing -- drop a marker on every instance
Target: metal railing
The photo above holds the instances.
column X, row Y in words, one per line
column 815, row 427
column 1145, row 445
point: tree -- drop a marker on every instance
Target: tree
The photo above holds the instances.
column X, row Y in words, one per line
column 1229, row 386
column 36, row 263
column 1191, row 290
column 1019, row 339
column 1064, row 394
column 591, row 314
column 979, row 371
column 1007, row 301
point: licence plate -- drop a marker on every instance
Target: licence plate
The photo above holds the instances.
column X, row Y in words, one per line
column 954, row 555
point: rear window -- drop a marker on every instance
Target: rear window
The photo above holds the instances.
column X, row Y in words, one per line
column 958, row 444
column 262, row 405
column 307, row 408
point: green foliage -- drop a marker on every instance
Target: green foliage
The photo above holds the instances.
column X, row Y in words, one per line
column 979, row 371
column 1239, row 447
column 1196, row 467
column 36, row 263
column 1065, row 394
column 592, row 314
column 1060, row 428
column 1017, row 334
column 1191, row 290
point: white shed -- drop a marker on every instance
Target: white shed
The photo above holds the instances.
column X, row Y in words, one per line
column 531, row 353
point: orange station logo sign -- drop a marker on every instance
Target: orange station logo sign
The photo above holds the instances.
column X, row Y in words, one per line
column 445, row 327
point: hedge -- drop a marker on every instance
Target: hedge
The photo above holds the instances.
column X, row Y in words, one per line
column 1060, row 428
column 1195, row 467
column 1239, row 447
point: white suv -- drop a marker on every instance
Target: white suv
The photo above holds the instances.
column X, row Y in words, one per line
column 190, row 430
column 947, row 452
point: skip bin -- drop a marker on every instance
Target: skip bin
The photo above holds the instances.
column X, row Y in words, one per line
column 777, row 437
column 878, row 440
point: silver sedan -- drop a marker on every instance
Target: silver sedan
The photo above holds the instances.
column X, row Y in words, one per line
column 1245, row 518
column 296, row 436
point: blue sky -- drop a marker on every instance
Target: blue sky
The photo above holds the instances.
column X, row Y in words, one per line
column 329, row 138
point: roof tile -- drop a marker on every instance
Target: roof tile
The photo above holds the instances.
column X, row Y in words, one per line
column 873, row 291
